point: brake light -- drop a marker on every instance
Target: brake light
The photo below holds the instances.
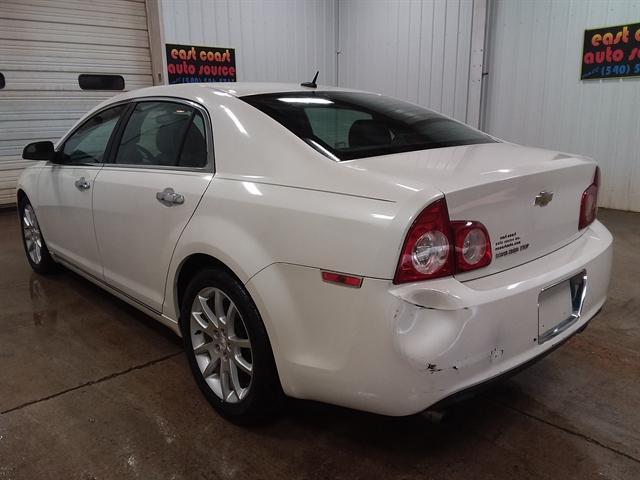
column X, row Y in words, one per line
column 427, row 251
column 589, row 202
column 436, row 247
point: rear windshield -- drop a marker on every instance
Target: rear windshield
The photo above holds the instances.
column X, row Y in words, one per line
column 347, row 125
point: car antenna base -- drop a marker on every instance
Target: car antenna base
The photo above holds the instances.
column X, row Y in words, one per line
column 312, row 83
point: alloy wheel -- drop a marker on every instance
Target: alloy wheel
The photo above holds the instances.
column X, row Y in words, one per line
column 32, row 235
column 221, row 345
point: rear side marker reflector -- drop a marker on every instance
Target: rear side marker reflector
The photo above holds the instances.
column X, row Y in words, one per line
column 342, row 279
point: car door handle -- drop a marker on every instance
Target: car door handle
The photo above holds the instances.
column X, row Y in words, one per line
column 82, row 184
column 169, row 197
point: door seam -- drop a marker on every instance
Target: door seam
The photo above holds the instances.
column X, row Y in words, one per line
column 173, row 251
column 93, row 221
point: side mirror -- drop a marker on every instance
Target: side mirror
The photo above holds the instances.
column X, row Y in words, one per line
column 39, row 151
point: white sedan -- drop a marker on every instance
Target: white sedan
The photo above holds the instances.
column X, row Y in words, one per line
column 321, row 243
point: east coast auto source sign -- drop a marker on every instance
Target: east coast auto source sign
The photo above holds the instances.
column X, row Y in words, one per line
column 611, row 52
column 193, row 64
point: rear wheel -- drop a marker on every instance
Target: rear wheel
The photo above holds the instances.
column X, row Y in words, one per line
column 34, row 245
column 228, row 348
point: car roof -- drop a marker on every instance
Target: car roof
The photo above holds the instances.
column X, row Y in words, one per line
column 194, row 91
column 240, row 89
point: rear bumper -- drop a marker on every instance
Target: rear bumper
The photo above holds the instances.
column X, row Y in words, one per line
column 473, row 390
column 397, row 350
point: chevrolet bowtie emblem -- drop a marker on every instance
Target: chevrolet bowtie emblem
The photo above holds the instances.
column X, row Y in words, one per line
column 543, row 199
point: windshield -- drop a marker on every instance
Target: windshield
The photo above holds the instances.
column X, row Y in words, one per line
column 349, row 125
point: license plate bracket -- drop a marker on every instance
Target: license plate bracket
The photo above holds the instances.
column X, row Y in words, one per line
column 560, row 305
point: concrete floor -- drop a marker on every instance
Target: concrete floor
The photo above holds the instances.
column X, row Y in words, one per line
column 91, row 389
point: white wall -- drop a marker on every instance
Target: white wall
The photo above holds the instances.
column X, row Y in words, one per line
column 535, row 96
column 275, row 40
column 419, row 50
column 425, row 51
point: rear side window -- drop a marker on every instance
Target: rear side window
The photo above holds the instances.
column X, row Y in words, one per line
column 88, row 143
column 349, row 125
column 194, row 150
column 163, row 134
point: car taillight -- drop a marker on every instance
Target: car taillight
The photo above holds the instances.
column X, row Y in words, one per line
column 436, row 247
column 427, row 251
column 473, row 247
column 589, row 202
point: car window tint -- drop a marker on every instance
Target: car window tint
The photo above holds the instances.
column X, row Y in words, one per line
column 194, row 149
column 89, row 142
column 349, row 125
column 332, row 125
column 154, row 134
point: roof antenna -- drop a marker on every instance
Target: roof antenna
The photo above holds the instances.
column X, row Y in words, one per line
column 312, row 83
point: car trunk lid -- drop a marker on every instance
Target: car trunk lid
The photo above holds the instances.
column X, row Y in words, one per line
column 527, row 198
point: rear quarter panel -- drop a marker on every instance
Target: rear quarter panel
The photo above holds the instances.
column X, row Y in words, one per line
column 249, row 226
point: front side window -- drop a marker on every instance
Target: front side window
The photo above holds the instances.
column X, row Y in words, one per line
column 89, row 142
column 349, row 125
column 163, row 134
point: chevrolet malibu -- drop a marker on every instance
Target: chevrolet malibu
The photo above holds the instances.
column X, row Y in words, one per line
column 321, row 243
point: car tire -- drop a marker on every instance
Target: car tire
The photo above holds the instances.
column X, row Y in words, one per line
column 215, row 349
column 33, row 242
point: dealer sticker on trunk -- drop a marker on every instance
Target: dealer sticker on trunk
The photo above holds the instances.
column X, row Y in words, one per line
column 508, row 244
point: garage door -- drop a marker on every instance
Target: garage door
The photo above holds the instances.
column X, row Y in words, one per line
column 44, row 47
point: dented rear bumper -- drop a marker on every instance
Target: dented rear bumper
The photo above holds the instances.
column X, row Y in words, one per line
column 473, row 390
column 397, row 350
column 487, row 327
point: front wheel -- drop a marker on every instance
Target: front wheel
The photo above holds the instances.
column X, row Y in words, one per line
column 228, row 348
column 34, row 245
